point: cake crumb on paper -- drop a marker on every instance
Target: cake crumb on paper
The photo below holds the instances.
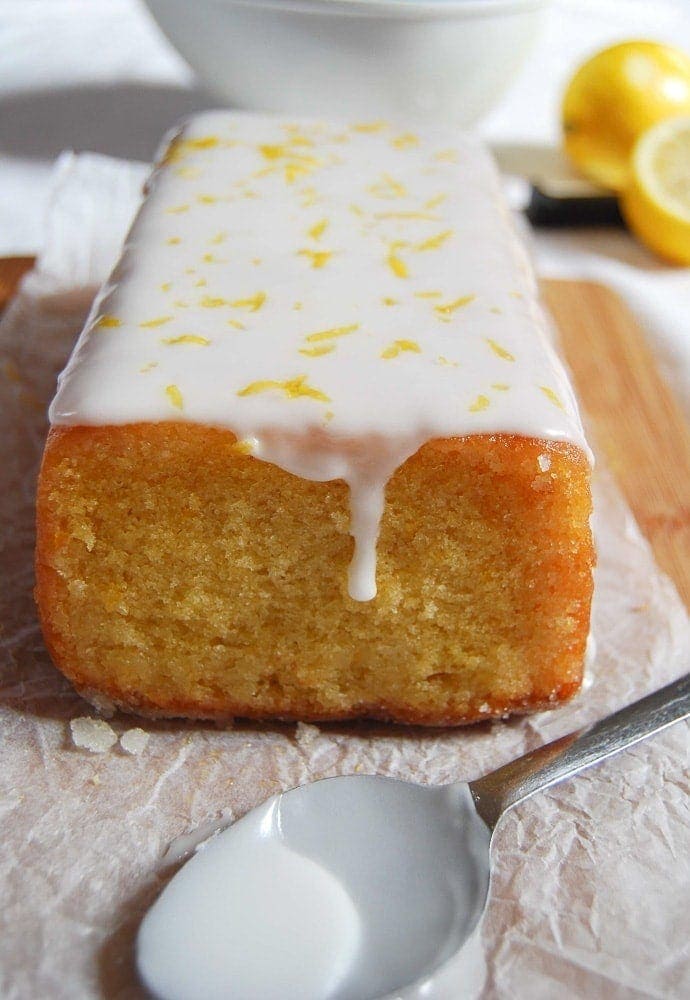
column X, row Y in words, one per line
column 134, row 741
column 306, row 734
column 94, row 735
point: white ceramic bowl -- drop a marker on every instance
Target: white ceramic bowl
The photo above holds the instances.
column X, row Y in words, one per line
column 400, row 59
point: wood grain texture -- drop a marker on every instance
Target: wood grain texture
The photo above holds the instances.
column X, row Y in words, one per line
column 639, row 428
column 12, row 270
column 638, row 425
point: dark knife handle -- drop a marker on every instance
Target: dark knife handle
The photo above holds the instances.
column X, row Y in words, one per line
column 551, row 212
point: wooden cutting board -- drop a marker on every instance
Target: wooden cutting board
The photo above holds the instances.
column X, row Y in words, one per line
column 638, row 425
column 639, row 428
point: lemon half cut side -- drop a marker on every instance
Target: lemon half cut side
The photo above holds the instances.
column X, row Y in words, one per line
column 656, row 202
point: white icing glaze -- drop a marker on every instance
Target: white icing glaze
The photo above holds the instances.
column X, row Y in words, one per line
column 247, row 917
column 336, row 296
column 345, row 889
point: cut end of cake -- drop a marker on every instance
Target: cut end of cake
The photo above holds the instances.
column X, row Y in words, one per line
column 180, row 577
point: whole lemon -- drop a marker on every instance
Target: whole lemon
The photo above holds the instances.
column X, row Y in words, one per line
column 616, row 96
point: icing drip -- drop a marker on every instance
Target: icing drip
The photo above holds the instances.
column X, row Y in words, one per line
column 366, row 506
column 334, row 296
column 365, row 467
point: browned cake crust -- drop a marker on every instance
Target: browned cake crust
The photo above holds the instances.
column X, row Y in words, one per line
column 178, row 577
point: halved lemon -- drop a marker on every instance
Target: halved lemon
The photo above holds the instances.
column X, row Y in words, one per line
column 656, row 202
column 616, row 96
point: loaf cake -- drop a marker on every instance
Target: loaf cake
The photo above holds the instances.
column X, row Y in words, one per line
column 313, row 456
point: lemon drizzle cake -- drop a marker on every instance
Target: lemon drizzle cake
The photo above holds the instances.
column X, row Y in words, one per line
column 349, row 306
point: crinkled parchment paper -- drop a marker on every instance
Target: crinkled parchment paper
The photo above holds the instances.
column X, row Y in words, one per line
column 590, row 897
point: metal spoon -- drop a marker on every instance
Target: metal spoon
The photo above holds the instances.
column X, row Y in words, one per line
column 414, row 860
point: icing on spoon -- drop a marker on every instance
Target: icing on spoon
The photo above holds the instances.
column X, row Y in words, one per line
column 362, row 887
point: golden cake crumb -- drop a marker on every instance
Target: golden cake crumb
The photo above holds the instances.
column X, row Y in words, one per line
column 518, row 642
